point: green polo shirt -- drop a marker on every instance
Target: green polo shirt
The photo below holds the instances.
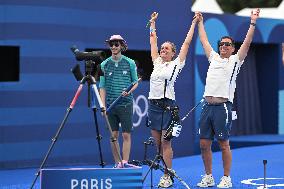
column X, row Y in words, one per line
column 117, row 77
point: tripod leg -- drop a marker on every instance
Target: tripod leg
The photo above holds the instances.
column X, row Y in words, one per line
column 145, row 151
column 54, row 139
column 153, row 163
column 99, row 138
column 151, row 178
column 113, row 139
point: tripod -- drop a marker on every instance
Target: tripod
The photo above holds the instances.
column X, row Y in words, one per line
column 155, row 165
column 91, row 85
column 158, row 156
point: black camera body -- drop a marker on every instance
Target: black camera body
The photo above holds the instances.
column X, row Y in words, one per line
column 96, row 56
column 92, row 60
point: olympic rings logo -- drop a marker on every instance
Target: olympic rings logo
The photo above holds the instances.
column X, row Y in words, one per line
column 260, row 186
column 137, row 109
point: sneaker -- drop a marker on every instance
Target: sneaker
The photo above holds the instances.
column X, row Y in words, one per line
column 129, row 165
column 120, row 164
column 225, row 182
column 206, row 181
column 165, row 182
column 117, row 165
column 124, row 164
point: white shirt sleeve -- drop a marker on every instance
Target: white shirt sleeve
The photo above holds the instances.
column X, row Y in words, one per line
column 179, row 64
column 158, row 60
column 212, row 55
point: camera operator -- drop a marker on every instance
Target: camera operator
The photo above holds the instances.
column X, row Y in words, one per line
column 119, row 72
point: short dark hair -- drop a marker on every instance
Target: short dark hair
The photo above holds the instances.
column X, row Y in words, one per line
column 229, row 37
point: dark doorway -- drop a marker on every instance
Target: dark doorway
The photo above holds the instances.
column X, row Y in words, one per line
column 256, row 97
column 10, row 67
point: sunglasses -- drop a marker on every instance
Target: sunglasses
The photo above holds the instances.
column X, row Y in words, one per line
column 115, row 43
column 227, row 44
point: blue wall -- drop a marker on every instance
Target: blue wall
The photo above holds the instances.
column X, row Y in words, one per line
column 32, row 109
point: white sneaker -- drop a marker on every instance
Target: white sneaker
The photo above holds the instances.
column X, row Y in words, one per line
column 165, row 182
column 206, row 181
column 225, row 182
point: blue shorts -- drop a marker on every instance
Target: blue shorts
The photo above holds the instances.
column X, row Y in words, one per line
column 215, row 121
column 122, row 115
column 158, row 115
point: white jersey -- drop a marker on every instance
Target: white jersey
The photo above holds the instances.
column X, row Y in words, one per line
column 221, row 76
column 164, row 71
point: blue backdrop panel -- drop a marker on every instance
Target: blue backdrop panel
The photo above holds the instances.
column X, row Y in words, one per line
column 276, row 37
column 32, row 109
